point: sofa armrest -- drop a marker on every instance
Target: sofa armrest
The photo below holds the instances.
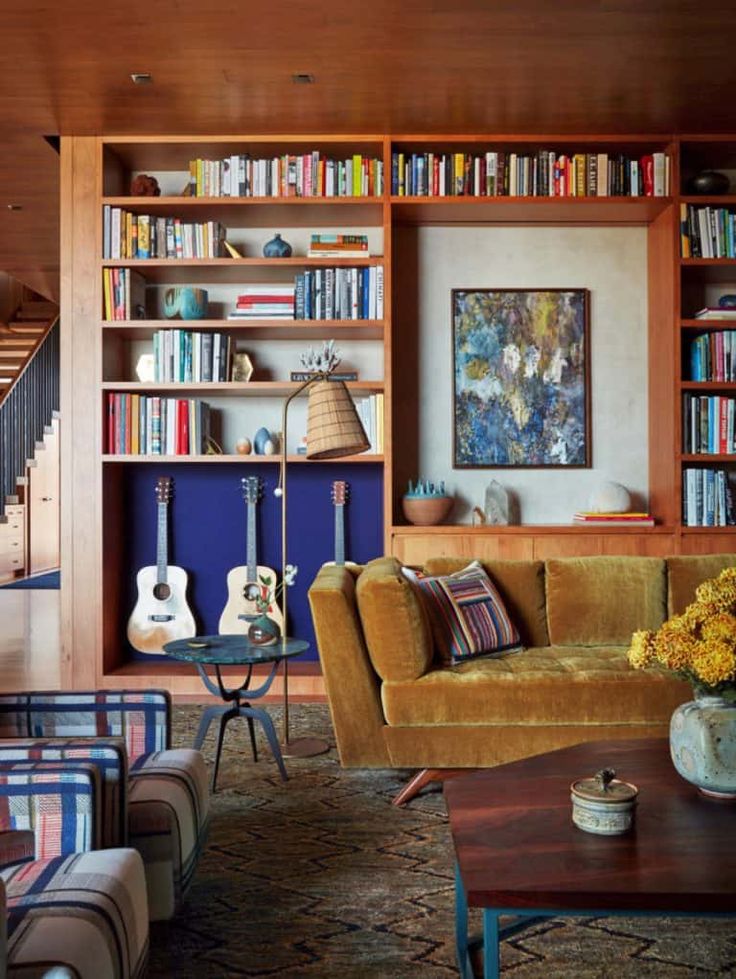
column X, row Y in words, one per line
column 57, row 802
column 353, row 688
column 108, row 755
column 141, row 717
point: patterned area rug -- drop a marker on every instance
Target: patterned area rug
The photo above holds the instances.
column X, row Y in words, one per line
column 321, row 877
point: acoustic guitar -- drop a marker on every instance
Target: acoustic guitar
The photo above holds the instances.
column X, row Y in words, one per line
column 246, row 583
column 161, row 612
column 340, row 494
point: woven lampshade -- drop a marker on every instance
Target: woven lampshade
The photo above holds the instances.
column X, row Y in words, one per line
column 333, row 426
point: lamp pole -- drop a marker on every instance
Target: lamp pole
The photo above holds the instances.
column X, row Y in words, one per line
column 302, row 747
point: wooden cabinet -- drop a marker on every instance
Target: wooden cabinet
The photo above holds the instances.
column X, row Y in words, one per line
column 13, row 542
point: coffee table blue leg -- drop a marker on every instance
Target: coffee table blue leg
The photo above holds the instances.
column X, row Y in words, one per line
column 461, row 928
column 208, row 716
column 491, row 947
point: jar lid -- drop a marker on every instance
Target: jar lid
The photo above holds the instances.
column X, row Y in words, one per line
column 604, row 787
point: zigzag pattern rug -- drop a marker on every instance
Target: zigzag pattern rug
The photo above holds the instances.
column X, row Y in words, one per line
column 321, row 877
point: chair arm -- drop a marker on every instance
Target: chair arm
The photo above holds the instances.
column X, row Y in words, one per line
column 57, row 801
column 141, row 717
column 108, row 755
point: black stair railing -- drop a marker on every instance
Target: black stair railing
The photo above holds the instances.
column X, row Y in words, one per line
column 26, row 411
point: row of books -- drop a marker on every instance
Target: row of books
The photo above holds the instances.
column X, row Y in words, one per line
column 142, row 425
column 338, row 246
column 630, row 519
column 304, row 175
column 187, row 357
column 268, row 301
column 123, row 294
column 713, row 356
column 370, row 412
column 708, row 424
column 707, row 500
column 707, row 232
column 139, row 236
column 545, row 174
column 339, row 294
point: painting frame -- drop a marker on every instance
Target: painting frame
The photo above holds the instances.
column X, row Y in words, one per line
column 572, row 399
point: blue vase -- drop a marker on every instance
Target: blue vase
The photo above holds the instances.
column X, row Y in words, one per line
column 277, row 248
column 728, row 301
column 260, row 439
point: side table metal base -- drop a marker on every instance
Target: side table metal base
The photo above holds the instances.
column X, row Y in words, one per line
column 304, row 748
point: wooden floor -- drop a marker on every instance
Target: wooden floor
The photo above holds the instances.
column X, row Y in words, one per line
column 30, row 653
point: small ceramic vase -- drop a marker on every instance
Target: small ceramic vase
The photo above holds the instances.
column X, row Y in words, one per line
column 703, row 744
column 260, row 441
column 185, row 303
column 277, row 248
column 426, row 511
column 709, row 182
column 263, row 631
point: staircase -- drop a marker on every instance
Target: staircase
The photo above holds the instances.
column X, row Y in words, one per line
column 29, row 426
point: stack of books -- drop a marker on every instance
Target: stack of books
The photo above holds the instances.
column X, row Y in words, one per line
column 613, row 519
column 124, row 294
column 707, row 232
column 265, row 302
column 713, row 356
column 706, row 498
column 340, row 294
column 141, row 236
column 370, row 412
column 141, row 425
column 709, row 425
column 338, row 246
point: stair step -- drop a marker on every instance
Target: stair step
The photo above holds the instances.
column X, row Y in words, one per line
column 27, row 329
column 16, row 343
column 21, row 481
column 10, row 354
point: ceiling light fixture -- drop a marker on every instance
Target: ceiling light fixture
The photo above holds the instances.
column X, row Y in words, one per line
column 302, row 78
column 141, row 78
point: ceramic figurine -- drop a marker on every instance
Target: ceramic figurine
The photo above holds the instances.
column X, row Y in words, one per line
column 260, row 439
column 243, row 447
column 185, row 303
column 277, row 248
column 145, row 369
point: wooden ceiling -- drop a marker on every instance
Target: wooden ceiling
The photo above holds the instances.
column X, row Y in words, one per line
column 472, row 66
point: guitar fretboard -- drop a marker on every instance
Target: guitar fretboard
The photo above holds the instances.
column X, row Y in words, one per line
column 339, row 533
column 162, row 556
column 251, row 543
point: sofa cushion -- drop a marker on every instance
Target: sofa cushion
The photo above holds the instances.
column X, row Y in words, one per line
column 601, row 601
column 466, row 613
column 394, row 624
column 521, row 586
column 685, row 573
column 545, row 685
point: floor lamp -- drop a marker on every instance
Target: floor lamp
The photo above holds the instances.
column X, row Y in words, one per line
column 333, row 431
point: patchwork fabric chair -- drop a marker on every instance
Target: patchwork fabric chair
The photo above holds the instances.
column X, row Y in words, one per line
column 151, row 797
column 83, row 913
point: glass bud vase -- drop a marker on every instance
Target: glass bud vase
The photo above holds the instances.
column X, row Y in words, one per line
column 703, row 744
column 263, row 631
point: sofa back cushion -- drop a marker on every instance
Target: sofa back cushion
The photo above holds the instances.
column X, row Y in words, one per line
column 601, row 601
column 521, row 586
column 394, row 624
column 685, row 573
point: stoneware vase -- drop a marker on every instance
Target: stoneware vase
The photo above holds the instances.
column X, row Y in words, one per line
column 263, row 631
column 703, row 744
column 426, row 511
column 277, row 248
column 185, row 303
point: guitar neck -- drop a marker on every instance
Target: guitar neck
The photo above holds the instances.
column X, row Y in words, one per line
column 162, row 549
column 339, row 533
column 250, row 543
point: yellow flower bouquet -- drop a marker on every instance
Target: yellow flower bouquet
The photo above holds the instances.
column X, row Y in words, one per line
column 700, row 644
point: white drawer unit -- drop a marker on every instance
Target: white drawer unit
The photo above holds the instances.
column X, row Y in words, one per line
column 13, row 541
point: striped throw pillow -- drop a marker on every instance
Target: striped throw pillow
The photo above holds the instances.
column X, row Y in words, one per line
column 467, row 614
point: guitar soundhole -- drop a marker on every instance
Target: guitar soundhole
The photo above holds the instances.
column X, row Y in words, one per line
column 161, row 591
column 251, row 592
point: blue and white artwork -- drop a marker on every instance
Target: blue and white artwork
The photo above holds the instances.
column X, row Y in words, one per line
column 521, row 378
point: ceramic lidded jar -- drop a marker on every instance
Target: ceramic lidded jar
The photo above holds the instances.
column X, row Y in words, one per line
column 703, row 744
column 603, row 804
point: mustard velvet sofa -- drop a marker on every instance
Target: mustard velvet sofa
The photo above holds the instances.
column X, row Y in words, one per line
column 393, row 706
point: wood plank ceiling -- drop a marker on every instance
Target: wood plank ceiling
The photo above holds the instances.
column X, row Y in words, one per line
column 448, row 66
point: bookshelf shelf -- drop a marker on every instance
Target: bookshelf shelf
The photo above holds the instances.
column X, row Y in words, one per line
column 517, row 530
column 705, row 326
column 243, row 460
column 529, row 210
column 240, row 270
column 704, row 457
column 255, row 329
column 729, row 386
column 230, row 389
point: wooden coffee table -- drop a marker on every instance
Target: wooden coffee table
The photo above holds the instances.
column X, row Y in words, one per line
column 519, row 853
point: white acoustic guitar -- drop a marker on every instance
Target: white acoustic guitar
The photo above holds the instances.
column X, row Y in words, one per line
column 161, row 612
column 246, row 583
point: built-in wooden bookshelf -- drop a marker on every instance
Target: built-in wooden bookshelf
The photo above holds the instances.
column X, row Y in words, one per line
column 96, row 171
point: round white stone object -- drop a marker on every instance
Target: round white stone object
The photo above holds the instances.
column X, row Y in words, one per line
column 609, row 497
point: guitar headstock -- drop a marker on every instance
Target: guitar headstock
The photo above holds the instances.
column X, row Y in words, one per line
column 164, row 489
column 252, row 487
column 340, row 492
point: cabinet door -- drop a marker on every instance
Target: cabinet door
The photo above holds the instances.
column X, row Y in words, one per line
column 44, row 508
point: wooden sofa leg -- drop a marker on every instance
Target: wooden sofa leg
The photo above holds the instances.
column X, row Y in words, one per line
column 427, row 775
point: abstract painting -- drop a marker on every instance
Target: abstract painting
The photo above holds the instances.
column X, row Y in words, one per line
column 521, row 394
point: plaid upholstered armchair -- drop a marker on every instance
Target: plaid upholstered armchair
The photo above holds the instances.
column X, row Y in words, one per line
column 140, row 793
